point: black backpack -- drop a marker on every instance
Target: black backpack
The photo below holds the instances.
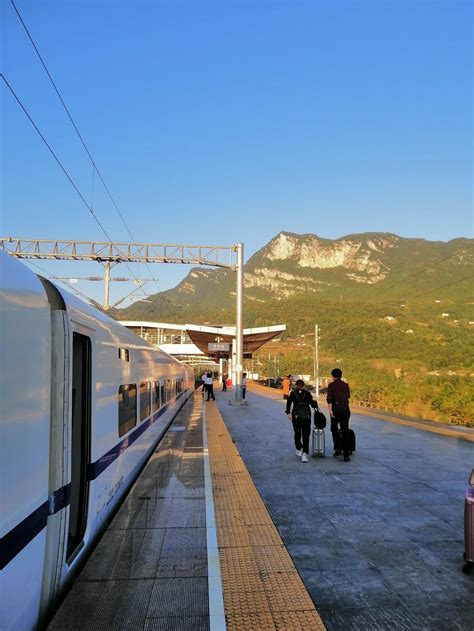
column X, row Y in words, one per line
column 302, row 411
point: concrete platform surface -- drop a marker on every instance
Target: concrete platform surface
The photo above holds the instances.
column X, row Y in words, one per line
column 377, row 541
column 150, row 570
column 192, row 546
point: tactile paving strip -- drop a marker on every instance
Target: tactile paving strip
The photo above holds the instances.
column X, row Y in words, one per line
column 247, row 582
column 262, row 589
column 293, row 620
column 272, row 559
column 244, row 518
column 242, row 603
column 235, row 561
column 260, row 621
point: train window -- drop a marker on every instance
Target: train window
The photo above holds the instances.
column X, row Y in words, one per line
column 155, row 396
column 124, row 354
column 162, row 393
column 127, row 408
column 144, row 400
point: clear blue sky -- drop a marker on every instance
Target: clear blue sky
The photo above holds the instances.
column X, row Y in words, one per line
column 218, row 122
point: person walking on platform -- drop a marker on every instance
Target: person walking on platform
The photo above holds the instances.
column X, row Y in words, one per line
column 286, row 386
column 224, row 382
column 244, row 384
column 302, row 401
column 338, row 402
column 210, row 386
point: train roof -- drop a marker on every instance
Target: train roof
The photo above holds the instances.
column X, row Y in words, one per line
column 17, row 278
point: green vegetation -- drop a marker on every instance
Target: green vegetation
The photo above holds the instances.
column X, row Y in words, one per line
column 390, row 337
column 428, row 372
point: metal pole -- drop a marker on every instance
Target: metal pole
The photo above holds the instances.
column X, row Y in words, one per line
column 316, row 358
column 239, row 328
column 106, row 285
column 233, row 364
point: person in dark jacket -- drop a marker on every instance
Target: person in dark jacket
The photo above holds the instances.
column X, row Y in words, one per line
column 338, row 402
column 302, row 402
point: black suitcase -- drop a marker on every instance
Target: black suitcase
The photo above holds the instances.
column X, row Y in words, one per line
column 351, row 438
column 469, row 526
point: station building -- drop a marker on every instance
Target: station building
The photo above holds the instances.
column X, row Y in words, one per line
column 203, row 347
column 174, row 340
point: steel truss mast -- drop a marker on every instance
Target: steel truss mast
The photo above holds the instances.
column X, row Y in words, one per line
column 110, row 254
column 100, row 251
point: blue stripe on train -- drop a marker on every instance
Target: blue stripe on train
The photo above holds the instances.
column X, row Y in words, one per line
column 94, row 469
column 24, row 532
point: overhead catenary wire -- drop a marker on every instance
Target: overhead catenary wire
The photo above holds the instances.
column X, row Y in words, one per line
column 425, row 269
column 60, row 164
column 460, row 280
column 70, row 117
column 94, row 164
column 429, row 291
column 49, row 277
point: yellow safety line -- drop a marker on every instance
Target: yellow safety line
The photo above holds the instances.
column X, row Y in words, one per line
column 262, row 588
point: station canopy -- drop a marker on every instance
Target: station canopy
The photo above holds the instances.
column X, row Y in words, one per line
column 208, row 337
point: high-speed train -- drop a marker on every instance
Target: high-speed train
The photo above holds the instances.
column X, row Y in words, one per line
column 84, row 402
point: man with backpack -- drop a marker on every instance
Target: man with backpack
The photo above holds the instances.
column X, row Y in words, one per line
column 302, row 402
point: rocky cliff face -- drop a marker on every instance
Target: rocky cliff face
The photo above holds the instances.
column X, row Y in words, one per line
column 363, row 255
column 361, row 260
column 361, row 266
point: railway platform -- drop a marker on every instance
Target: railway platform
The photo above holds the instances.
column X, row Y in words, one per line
column 192, row 546
column 227, row 528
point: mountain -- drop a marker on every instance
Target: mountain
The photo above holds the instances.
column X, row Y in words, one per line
column 369, row 266
column 395, row 313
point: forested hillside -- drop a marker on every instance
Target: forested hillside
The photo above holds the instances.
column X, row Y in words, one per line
column 396, row 313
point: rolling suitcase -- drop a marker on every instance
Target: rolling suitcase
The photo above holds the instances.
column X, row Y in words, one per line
column 469, row 526
column 318, row 446
column 351, row 438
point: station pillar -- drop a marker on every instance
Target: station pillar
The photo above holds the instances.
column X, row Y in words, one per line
column 233, row 363
column 239, row 328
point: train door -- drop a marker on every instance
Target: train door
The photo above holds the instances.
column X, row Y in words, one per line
column 80, row 444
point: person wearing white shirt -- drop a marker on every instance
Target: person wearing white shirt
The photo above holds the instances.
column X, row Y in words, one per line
column 244, row 384
column 210, row 386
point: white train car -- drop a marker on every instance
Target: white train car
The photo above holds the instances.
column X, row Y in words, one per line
column 83, row 404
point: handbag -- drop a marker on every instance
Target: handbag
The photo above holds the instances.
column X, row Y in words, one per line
column 319, row 419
